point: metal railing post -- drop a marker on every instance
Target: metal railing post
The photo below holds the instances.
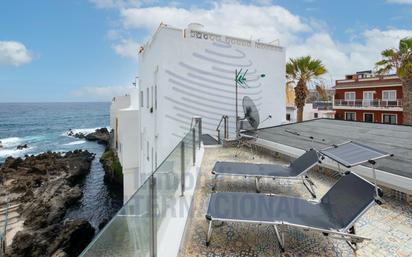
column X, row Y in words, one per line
column 153, row 241
column 182, row 169
column 226, row 132
column 194, row 145
column 200, row 131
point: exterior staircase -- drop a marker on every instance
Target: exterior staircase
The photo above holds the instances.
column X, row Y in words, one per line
column 10, row 223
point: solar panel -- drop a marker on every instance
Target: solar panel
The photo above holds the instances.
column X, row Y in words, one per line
column 352, row 153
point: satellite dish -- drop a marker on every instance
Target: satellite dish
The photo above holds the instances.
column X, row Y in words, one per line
column 251, row 112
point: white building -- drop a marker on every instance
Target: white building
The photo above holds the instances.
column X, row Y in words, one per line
column 309, row 113
column 125, row 122
column 189, row 72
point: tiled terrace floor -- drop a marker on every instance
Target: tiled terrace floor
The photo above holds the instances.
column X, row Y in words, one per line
column 389, row 225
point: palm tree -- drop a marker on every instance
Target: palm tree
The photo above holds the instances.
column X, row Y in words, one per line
column 300, row 72
column 400, row 60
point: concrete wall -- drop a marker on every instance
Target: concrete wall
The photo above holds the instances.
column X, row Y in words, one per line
column 183, row 73
column 125, row 122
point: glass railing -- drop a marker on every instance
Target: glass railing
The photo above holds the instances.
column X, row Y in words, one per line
column 136, row 228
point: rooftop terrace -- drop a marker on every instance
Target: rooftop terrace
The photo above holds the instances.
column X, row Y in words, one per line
column 388, row 225
column 166, row 215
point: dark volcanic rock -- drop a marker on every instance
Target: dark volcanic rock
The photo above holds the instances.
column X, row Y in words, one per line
column 74, row 237
column 102, row 136
column 45, row 186
column 55, row 240
column 21, row 147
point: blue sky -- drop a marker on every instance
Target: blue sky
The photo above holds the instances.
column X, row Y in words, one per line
column 84, row 50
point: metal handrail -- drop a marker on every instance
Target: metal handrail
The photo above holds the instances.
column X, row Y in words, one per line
column 3, row 234
column 224, row 119
column 368, row 103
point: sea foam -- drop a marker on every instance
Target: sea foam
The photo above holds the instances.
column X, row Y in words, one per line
column 10, row 141
column 76, row 142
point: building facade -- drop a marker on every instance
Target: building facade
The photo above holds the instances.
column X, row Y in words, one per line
column 368, row 98
column 186, row 73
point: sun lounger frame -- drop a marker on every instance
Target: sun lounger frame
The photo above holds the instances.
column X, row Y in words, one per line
column 347, row 234
column 302, row 176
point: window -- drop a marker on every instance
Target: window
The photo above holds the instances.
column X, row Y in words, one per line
column 368, row 117
column 147, row 150
column 155, row 97
column 389, row 118
column 141, row 98
column 147, row 98
column 367, row 98
column 152, row 103
column 350, row 96
column 389, row 95
column 351, row 116
column 315, row 115
column 288, row 116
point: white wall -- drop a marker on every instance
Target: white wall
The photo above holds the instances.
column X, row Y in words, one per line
column 125, row 109
column 118, row 102
column 128, row 150
column 195, row 77
column 309, row 113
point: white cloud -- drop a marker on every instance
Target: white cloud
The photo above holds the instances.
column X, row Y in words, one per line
column 14, row 53
column 100, row 93
column 399, row 1
column 260, row 22
column 346, row 58
column 300, row 36
column 127, row 48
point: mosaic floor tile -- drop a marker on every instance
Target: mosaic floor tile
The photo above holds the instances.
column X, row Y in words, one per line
column 389, row 225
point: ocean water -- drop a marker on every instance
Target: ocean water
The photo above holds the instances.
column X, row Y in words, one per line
column 43, row 127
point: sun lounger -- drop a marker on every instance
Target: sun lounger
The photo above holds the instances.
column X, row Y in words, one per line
column 296, row 170
column 334, row 215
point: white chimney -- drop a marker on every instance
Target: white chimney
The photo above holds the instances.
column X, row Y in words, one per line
column 196, row 26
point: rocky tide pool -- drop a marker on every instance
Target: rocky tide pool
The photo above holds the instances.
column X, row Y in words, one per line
column 37, row 128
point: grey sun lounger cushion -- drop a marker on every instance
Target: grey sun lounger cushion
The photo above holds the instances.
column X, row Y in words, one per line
column 352, row 153
column 300, row 165
column 339, row 207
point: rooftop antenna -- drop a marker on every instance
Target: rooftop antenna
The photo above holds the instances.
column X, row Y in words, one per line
column 241, row 80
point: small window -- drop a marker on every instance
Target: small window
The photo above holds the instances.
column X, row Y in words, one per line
column 389, row 95
column 288, row 116
column 315, row 115
column 155, row 97
column 152, row 99
column 147, row 98
column 350, row 96
column 350, row 116
column 148, row 150
column 389, row 118
column 141, row 99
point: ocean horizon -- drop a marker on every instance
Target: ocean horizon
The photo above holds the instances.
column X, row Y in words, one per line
column 43, row 126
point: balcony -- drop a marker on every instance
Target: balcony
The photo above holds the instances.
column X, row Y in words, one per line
column 395, row 105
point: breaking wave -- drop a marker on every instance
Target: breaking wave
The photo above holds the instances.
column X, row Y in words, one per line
column 76, row 142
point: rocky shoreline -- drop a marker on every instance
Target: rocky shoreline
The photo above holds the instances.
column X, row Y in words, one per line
column 45, row 186
column 101, row 136
column 111, row 165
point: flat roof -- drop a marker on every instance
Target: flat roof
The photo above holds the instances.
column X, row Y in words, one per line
column 395, row 139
